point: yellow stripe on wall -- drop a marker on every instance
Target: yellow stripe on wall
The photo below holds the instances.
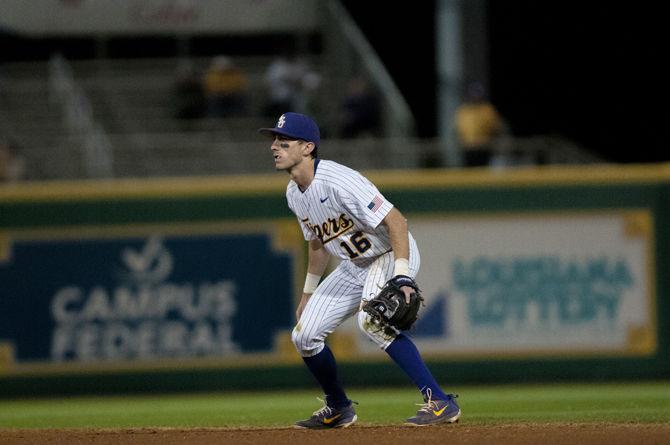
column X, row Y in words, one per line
column 276, row 183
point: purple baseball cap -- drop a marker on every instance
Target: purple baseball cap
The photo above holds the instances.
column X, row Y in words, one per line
column 297, row 126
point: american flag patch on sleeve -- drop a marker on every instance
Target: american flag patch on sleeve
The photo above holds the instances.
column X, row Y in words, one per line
column 376, row 203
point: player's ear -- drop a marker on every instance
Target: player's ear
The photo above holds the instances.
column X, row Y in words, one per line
column 309, row 147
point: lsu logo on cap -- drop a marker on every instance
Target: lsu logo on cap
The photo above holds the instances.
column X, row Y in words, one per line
column 281, row 121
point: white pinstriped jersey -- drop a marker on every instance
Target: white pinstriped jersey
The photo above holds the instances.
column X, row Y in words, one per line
column 344, row 210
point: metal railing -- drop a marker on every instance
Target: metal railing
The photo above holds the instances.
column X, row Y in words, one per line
column 348, row 53
column 64, row 91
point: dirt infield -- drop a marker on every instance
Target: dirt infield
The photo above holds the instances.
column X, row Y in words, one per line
column 453, row 434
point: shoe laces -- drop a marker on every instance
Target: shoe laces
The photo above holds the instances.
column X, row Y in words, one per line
column 324, row 411
column 429, row 403
column 327, row 411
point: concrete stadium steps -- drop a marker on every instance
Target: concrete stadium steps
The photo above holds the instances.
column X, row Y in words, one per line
column 208, row 153
column 36, row 124
column 138, row 95
column 176, row 155
column 133, row 102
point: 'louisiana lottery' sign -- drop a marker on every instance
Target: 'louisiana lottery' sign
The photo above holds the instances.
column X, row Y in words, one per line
column 551, row 283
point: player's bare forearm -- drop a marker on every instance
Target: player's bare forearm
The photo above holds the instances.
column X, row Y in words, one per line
column 399, row 236
column 398, row 232
column 317, row 258
column 316, row 265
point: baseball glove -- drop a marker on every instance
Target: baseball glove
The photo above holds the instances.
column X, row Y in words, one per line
column 389, row 309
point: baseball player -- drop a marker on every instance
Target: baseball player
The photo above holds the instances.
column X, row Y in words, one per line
column 341, row 213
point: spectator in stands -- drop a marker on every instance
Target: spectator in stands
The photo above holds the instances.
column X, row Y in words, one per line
column 189, row 93
column 360, row 110
column 12, row 164
column 479, row 127
column 290, row 83
column 226, row 88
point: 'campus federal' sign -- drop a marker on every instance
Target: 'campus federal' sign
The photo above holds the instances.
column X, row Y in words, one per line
column 145, row 296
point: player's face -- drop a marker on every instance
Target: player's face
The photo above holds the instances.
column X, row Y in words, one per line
column 287, row 152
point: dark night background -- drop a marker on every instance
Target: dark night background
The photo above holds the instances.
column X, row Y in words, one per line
column 588, row 71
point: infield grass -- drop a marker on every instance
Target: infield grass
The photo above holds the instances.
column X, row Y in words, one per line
column 647, row 402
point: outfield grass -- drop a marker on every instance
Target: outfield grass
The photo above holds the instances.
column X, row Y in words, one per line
column 623, row 402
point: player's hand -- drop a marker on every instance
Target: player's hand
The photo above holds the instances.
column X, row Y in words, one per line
column 301, row 306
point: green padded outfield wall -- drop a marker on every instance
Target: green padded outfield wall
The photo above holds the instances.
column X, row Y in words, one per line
column 539, row 274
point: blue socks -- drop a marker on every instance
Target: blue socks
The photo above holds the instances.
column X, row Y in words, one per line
column 403, row 351
column 324, row 369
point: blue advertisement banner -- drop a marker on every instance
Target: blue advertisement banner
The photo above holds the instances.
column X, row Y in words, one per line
column 143, row 297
